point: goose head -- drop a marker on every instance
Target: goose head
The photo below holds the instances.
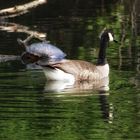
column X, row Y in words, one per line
column 107, row 35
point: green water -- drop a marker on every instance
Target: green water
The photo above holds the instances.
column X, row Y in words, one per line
column 29, row 111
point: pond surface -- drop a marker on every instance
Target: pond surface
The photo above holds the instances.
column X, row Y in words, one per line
column 33, row 109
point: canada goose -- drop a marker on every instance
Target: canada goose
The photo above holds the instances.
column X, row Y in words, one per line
column 79, row 70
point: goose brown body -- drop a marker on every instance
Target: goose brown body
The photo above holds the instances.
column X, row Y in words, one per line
column 81, row 70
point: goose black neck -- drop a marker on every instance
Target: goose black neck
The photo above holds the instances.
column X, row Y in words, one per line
column 102, row 52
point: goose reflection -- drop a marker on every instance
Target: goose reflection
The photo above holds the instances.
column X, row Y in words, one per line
column 63, row 90
column 77, row 87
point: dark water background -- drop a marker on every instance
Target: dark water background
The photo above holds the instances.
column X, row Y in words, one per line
column 28, row 112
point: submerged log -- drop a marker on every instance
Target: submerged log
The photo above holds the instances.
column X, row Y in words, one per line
column 20, row 9
column 5, row 58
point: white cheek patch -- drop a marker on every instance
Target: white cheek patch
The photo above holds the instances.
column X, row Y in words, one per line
column 110, row 37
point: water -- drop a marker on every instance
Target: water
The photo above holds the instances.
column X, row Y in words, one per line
column 32, row 108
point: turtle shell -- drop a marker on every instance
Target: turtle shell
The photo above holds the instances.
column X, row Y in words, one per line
column 45, row 49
